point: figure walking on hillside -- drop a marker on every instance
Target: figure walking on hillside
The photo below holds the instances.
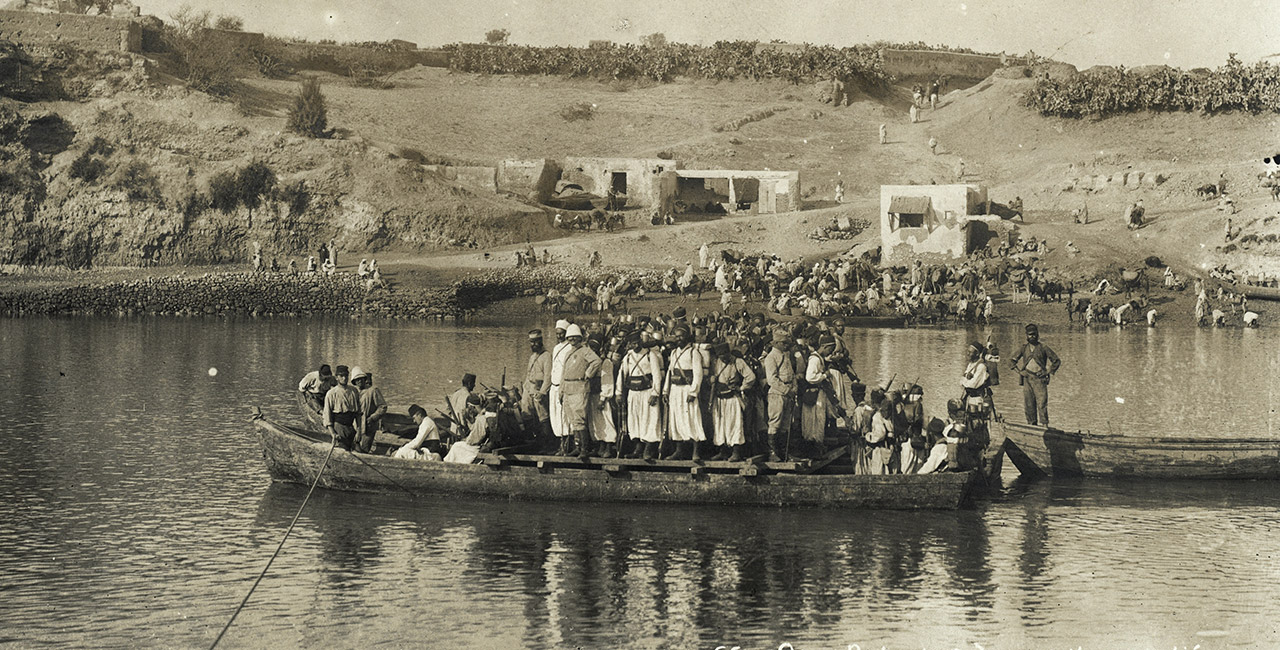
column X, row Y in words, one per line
column 840, row 192
column 933, row 95
column 914, row 114
column 933, row 145
column 960, row 170
column 884, row 135
column 333, row 252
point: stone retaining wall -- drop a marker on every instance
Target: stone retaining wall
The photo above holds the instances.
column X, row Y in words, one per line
column 71, row 30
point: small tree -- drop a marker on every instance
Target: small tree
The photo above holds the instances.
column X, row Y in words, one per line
column 308, row 115
column 656, row 39
column 229, row 23
column 497, row 36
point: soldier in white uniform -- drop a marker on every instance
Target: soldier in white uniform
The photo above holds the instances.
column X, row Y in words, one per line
column 552, row 388
column 684, row 414
column 640, row 378
column 731, row 378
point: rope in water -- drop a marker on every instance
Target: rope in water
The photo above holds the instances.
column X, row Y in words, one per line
column 279, row 547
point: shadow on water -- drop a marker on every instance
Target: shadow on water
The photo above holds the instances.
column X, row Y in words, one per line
column 591, row 574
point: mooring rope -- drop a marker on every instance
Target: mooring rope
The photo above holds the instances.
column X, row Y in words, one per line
column 279, row 547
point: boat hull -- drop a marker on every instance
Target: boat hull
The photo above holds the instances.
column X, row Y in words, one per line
column 295, row 455
column 1059, row 453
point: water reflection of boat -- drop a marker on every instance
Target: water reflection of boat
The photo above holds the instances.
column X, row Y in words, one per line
column 295, row 455
column 1034, row 449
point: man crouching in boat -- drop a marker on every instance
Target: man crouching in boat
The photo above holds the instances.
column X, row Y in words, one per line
column 315, row 385
column 342, row 411
column 580, row 365
column 640, row 375
column 684, row 415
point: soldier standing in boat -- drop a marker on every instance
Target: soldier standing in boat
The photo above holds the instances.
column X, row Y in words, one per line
column 535, row 378
column 1036, row 363
column 552, row 387
column 580, row 365
column 780, row 375
column 342, row 410
column 732, row 378
column 373, row 406
column 600, row 401
column 684, row 414
column 815, row 402
column 640, row 375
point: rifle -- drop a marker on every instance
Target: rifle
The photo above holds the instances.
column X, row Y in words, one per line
column 503, row 383
column 886, row 386
column 456, row 419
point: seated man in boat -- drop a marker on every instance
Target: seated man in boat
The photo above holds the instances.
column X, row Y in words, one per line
column 372, row 404
column 315, row 384
column 955, row 433
column 483, row 434
column 341, row 412
column 426, row 445
column 936, row 459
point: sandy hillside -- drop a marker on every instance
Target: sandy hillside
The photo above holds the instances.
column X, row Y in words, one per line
column 1009, row 148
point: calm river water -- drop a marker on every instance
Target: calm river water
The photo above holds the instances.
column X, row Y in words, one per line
column 136, row 511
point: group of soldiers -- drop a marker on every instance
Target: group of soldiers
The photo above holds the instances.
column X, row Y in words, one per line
column 729, row 388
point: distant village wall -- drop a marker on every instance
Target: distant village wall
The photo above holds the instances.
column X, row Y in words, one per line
column 72, row 30
column 929, row 64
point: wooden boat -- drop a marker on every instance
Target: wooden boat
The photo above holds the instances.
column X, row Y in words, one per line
column 295, row 455
column 1040, row 450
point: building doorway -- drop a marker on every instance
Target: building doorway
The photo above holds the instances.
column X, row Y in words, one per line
column 617, row 190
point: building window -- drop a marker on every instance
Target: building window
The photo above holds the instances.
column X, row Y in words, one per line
column 908, row 220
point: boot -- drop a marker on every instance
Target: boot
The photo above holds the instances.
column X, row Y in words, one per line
column 723, row 454
column 774, row 456
column 651, row 451
column 564, row 446
column 610, row 450
column 676, row 451
column 736, row 456
column 584, row 445
column 697, row 454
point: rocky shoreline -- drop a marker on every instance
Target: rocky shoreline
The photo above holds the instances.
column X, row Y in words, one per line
column 292, row 294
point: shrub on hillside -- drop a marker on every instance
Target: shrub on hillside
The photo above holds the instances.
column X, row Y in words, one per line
column 247, row 186
column 207, row 61
column 137, row 180
column 91, row 164
column 88, row 168
column 295, row 196
column 271, row 58
column 578, row 111
column 308, row 115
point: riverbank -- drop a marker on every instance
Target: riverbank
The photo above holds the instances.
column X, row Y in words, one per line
column 436, row 292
